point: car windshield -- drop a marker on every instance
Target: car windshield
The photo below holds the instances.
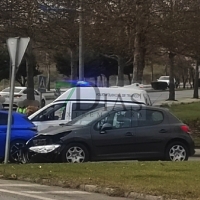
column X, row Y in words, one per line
column 16, row 90
column 164, row 78
column 88, row 117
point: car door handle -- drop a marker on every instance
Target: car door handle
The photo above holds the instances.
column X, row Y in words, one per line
column 128, row 134
column 163, row 131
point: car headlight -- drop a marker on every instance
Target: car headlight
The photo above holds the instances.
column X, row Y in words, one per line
column 45, row 148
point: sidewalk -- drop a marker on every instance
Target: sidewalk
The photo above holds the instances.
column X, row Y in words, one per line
column 179, row 101
column 197, row 153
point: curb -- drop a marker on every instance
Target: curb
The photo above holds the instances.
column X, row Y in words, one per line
column 115, row 192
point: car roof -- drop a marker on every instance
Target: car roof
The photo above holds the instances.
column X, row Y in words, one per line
column 18, row 87
column 13, row 113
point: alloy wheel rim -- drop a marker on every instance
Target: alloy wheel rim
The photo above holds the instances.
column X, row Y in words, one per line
column 75, row 155
column 177, row 153
column 14, row 151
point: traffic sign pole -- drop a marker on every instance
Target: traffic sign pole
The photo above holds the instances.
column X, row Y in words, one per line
column 8, row 134
column 16, row 48
column 12, row 85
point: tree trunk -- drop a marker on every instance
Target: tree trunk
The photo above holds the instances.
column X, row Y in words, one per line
column 48, row 72
column 139, row 45
column 74, row 75
column 30, row 72
column 166, row 73
column 129, row 78
column 196, row 80
column 95, row 80
column 107, row 81
column 101, row 81
column 48, row 79
column 171, row 77
column 184, row 82
column 152, row 71
column 120, row 79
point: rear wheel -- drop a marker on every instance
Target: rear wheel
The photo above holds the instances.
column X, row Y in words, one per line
column 176, row 151
column 43, row 103
column 75, row 153
column 15, row 148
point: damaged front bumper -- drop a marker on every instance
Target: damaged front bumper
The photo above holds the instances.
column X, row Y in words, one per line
column 39, row 150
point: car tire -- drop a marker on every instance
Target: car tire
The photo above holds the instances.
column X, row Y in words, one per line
column 176, row 151
column 15, row 147
column 43, row 103
column 75, row 153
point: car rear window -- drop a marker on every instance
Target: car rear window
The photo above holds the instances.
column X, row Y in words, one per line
column 150, row 117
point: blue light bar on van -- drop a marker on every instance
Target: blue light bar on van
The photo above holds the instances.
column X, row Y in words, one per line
column 83, row 84
column 74, row 83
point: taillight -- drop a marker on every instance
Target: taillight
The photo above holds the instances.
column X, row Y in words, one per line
column 185, row 129
column 17, row 96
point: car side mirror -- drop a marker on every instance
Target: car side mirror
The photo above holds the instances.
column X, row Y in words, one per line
column 105, row 127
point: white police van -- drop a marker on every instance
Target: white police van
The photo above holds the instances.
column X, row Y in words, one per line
column 78, row 100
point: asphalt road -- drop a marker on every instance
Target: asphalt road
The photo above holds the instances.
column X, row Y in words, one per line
column 159, row 96
column 19, row 190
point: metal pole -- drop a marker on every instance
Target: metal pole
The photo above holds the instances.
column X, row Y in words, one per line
column 81, row 61
column 8, row 134
column 12, row 85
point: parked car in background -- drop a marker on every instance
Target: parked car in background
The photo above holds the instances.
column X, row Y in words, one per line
column 135, row 132
column 20, row 94
column 22, row 129
column 163, row 83
column 166, row 80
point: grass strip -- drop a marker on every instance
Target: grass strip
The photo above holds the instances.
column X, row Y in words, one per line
column 180, row 180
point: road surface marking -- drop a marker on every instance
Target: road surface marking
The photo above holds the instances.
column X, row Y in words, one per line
column 55, row 192
column 26, row 195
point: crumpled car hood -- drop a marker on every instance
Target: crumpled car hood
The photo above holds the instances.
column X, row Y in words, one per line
column 59, row 129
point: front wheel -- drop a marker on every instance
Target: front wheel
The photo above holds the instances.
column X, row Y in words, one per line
column 75, row 153
column 176, row 151
column 15, row 148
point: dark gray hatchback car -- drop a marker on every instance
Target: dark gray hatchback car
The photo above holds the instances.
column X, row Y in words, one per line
column 114, row 133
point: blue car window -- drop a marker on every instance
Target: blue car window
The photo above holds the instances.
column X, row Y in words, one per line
column 3, row 118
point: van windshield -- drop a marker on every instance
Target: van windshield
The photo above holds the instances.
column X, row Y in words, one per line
column 88, row 117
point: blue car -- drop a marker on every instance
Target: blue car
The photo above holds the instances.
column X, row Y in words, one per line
column 22, row 129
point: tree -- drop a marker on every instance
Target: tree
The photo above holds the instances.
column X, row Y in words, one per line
column 110, row 32
column 21, row 75
column 95, row 65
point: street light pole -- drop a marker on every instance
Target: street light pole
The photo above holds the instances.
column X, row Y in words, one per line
column 81, row 60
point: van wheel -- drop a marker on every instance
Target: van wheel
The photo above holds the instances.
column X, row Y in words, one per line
column 176, row 151
column 75, row 153
column 15, row 148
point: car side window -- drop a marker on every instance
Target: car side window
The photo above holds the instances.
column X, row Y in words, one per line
column 119, row 119
column 4, row 119
column 150, row 117
column 54, row 112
